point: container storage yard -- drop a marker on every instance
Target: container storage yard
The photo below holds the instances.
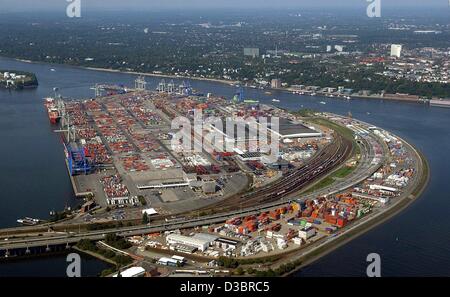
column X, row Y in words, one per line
column 301, row 222
column 119, row 150
column 124, row 152
column 193, row 207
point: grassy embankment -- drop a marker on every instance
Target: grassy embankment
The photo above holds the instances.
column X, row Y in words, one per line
column 117, row 260
column 343, row 171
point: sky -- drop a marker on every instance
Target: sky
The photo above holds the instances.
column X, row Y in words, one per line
column 30, row 5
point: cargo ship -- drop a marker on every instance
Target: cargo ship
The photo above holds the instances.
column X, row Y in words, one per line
column 52, row 110
column 28, row 221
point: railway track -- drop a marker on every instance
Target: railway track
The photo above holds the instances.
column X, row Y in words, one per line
column 328, row 159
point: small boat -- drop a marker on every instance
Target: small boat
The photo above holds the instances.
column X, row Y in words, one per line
column 275, row 100
column 268, row 93
column 251, row 101
column 52, row 70
column 28, row 221
column 322, row 102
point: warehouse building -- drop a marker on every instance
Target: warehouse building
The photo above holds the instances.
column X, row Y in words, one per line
column 132, row 272
column 201, row 243
column 253, row 156
column 287, row 129
column 226, row 244
column 168, row 262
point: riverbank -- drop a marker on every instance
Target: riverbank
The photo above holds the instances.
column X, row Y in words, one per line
column 162, row 75
column 369, row 223
column 234, row 83
column 222, row 81
column 291, row 262
column 95, row 255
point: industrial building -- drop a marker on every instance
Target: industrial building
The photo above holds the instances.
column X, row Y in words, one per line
column 131, row 272
column 149, row 211
column 168, row 262
column 396, row 50
column 254, row 156
column 226, row 244
column 288, row 129
column 339, row 48
column 198, row 241
column 251, row 52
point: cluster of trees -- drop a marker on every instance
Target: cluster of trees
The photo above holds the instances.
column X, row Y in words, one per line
column 283, row 269
column 239, row 270
column 29, row 81
column 117, row 242
column 103, row 226
column 333, row 74
column 89, row 245
column 59, row 215
column 145, row 219
column 305, row 112
column 234, row 263
column 142, row 200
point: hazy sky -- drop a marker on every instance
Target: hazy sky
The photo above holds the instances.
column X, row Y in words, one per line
column 19, row 5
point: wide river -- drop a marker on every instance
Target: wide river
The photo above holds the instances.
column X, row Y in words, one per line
column 34, row 180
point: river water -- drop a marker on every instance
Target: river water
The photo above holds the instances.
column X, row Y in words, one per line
column 34, row 180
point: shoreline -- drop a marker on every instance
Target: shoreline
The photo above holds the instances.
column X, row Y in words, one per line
column 109, row 70
column 365, row 227
column 320, row 249
column 217, row 80
column 95, row 255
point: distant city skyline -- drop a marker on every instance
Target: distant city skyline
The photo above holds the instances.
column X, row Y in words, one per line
column 51, row 5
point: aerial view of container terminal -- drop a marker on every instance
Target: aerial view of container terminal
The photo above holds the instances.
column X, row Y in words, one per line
column 193, row 139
